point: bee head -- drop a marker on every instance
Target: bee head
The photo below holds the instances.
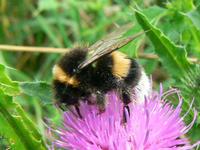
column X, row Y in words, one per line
column 67, row 94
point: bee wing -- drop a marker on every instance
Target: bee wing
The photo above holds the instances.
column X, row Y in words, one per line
column 110, row 43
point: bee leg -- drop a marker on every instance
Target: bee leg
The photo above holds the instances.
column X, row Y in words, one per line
column 126, row 98
column 126, row 110
column 78, row 111
column 100, row 100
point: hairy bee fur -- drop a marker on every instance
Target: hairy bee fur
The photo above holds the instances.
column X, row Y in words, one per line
column 115, row 71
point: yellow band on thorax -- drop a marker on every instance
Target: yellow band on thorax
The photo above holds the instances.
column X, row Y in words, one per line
column 63, row 77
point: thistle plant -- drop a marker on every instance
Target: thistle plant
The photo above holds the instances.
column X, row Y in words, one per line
column 155, row 124
column 190, row 85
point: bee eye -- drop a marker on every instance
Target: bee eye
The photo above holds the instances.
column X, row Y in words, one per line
column 74, row 70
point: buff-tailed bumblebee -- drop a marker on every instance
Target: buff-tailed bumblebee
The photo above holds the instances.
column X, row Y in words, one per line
column 94, row 71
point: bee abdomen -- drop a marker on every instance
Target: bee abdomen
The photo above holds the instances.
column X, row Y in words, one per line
column 125, row 68
column 134, row 73
column 121, row 65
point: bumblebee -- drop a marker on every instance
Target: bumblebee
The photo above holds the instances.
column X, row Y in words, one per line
column 94, row 71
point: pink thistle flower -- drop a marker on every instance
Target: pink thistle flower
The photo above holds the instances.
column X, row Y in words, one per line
column 153, row 125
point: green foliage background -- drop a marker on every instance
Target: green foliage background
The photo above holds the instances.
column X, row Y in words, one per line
column 25, row 78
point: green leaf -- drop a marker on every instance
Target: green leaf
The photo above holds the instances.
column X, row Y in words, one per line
column 17, row 127
column 6, row 84
column 154, row 12
column 194, row 16
column 173, row 57
column 180, row 5
column 41, row 90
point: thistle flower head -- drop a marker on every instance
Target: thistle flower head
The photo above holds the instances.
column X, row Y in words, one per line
column 153, row 125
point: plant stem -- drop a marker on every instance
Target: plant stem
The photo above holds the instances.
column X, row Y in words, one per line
column 62, row 50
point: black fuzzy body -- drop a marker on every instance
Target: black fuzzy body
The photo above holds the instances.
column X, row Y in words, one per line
column 95, row 79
